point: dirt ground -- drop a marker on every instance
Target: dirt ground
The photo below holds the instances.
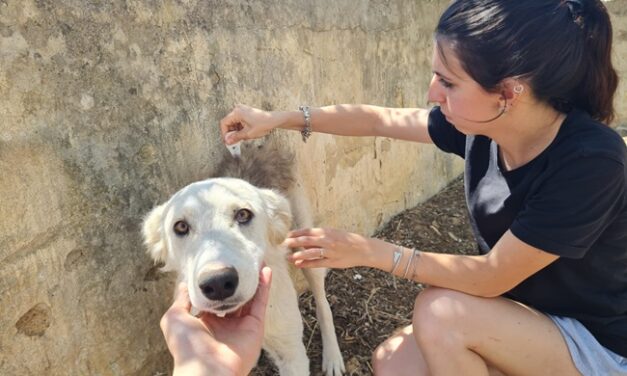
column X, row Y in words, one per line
column 369, row 305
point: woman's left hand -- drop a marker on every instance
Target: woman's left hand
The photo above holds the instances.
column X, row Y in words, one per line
column 329, row 248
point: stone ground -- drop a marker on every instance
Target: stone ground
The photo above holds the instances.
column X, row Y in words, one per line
column 368, row 305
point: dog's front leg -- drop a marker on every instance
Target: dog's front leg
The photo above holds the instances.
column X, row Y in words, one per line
column 332, row 362
column 287, row 351
column 283, row 339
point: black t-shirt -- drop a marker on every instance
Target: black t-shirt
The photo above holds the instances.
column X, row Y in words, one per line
column 571, row 201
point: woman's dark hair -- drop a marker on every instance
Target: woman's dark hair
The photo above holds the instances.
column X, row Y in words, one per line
column 562, row 48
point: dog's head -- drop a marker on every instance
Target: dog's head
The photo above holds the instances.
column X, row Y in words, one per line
column 215, row 234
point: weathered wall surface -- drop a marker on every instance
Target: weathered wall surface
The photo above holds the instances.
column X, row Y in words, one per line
column 108, row 107
column 618, row 12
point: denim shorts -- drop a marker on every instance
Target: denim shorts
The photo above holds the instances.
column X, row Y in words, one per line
column 589, row 356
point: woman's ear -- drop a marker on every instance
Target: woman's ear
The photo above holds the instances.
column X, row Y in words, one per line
column 512, row 89
column 279, row 214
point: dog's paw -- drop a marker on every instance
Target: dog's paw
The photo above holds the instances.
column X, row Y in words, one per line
column 332, row 362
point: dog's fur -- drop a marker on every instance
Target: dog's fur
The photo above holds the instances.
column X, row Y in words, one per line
column 263, row 182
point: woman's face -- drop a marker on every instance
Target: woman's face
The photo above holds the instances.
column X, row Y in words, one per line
column 462, row 100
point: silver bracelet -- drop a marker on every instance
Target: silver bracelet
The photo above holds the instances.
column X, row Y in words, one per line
column 413, row 272
column 306, row 132
column 396, row 259
column 411, row 257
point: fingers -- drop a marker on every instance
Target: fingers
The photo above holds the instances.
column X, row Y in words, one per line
column 232, row 126
column 260, row 300
column 230, row 122
column 179, row 308
column 307, row 238
column 233, row 137
column 308, row 254
column 305, row 232
column 315, row 263
column 181, row 297
column 305, row 242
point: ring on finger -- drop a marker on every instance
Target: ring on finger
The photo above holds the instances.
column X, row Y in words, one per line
column 321, row 253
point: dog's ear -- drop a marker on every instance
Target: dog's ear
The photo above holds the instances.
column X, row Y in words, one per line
column 153, row 235
column 280, row 216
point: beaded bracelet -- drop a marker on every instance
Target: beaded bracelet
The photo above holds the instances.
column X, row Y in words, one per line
column 306, row 132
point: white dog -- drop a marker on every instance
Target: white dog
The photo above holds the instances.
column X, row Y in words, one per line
column 217, row 233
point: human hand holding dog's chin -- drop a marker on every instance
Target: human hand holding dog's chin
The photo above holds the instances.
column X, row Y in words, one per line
column 247, row 123
column 330, row 248
column 211, row 345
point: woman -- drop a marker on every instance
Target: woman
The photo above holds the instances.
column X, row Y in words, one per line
column 522, row 89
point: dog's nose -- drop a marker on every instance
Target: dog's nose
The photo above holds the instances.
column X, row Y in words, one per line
column 220, row 284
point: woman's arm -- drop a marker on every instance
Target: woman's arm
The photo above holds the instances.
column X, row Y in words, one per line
column 364, row 120
column 345, row 120
column 510, row 261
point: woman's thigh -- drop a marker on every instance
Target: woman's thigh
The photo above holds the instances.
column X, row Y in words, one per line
column 507, row 335
column 400, row 355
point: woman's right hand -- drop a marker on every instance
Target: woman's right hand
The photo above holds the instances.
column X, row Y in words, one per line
column 247, row 123
column 331, row 248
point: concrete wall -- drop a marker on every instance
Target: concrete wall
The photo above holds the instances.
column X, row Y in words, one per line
column 108, row 107
column 618, row 13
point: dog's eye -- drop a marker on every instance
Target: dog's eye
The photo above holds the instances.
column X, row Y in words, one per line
column 243, row 216
column 181, row 228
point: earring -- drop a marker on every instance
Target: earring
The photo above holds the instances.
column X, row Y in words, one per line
column 518, row 89
column 504, row 108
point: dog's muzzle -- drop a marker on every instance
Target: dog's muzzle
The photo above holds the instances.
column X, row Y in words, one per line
column 219, row 284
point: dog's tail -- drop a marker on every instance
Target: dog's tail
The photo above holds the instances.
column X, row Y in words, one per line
column 263, row 166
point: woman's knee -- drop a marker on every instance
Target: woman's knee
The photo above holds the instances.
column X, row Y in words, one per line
column 384, row 358
column 381, row 359
column 399, row 355
column 439, row 314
